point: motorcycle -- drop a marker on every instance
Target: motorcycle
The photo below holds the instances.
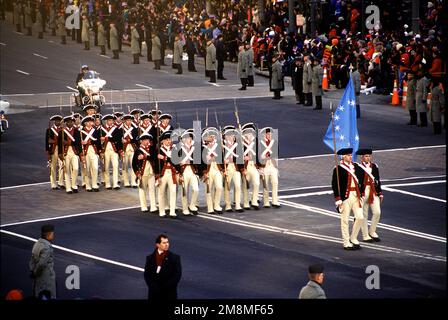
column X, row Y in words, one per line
column 92, row 85
column 4, row 124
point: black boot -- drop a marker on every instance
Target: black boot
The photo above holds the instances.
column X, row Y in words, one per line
column 437, row 127
column 103, row 50
column 413, row 115
column 250, row 81
column 115, row 52
column 212, row 74
column 309, row 99
column 358, row 111
column 136, row 58
column 423, row 120
column 318, row 103
column 156, row 64
column 63, row 40
column 86, row 45
column 276, row 95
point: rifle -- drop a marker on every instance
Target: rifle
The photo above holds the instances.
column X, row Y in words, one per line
column 158, row 133
column 182, row 185
column 263, row 180
column 48, row 137
column 241, row 133
column 226, row 183
column 62, row 132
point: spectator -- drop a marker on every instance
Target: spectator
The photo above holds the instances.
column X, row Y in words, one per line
column 313, row 289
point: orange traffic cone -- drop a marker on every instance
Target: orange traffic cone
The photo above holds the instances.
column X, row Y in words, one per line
column 325, row 80
column 405, row 92
column 395, row 98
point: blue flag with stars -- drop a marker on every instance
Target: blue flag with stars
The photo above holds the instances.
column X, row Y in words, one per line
column 345, row 128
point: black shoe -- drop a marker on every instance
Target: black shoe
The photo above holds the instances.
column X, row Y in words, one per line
column 75, row 190
column 256, row 207
column 70, row 192
column 109, row 188
column 211, row 212
column 218, row 212
column 349, row 248
column 83, row 186
column 61, row 187
column 229, row 210
column 155, row 211
column 267, row 207
column 240, row 210
column 376, row 239
column 178, row 72
column 317, row 108
column 369, row 240
column 195, row 212
column 96, row 189
column 127, row 186
column 89, row 190
column 222, row 78
column 246, row 208
column 55, row 188
column 356, row 246
column 173, row 217
column 144, row 210
column 134, row 187
column 276, row 98
column 117, row 188
column 242, row 88
column 276, row 206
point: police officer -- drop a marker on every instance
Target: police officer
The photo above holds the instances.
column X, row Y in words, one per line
column 421, row 94
column 250, row 64
column 373, row 195
column 85, row 36
column 112, row 146
column 135, row 46
column 101, row 37
column 437, row 104
column 220, row 56
column 242, row 67
column 69, row 146
column 296, row 79
column 316, row 84
column 156, row 50
column 143, row 165
column 410, row 99
column 113, row 39
column 307, row 80
column 178, row 53
column 210, row 61
column 276, row 82
column 348, row 188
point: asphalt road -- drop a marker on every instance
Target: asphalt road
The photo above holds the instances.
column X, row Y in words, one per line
column 261, row 254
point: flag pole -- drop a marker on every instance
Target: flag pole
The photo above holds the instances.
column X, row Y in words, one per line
column 334, row 147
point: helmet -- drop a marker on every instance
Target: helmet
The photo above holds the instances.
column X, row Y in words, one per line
column 84, row 67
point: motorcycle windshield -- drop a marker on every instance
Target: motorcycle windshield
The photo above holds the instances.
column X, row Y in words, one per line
column 90, row 75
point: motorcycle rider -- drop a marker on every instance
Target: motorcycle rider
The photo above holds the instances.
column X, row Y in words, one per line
column 79, row 78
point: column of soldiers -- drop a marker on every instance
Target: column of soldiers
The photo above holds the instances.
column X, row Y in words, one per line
column 156, row 158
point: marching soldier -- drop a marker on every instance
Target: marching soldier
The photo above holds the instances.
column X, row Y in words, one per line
column 348, row 188
column 143, row 166
column 112, row 147
column 77, row 121
column 188, row 172
column 91, row 142
column 146, row 126
column 101, row 37
column 250, row 172
column 85, row 36
column 210, row 61
column 113, row 39
column 250, row 65
column 232, row 170
column 212, row 169
column 118, row 119
column 135, row 46
column 69, row 146
column 61, row 31
column 166, row 175
column 177, row 54
column 373, row 195
column 156, row 50
column 51, row 147
column 307, row 81
column 410, row 100
column 164, row 125
column 316, row 84
column 276, row 81
column 268, row 167
column 136, row 113
column 242, row 67
column 129, row 139
column 155, row 117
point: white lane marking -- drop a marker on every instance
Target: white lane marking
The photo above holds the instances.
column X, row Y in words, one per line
column 376, row 151
column 415, row 183
column 104, row 56
column 143, row 86
column 23, row 72
column 163, row 71
column 414, row 194
column 25, row 185
column 320, row 237
column 18, row 33
column 380, row 225
column 299, row 195
column 19, row 95
column 50, row 41
column 2, row 44
column 68, row 216
column 40, row 56
column 79, row 253
column 214, row 84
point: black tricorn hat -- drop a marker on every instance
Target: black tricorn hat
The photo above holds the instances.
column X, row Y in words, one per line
column 345, row 151
column 362, row 152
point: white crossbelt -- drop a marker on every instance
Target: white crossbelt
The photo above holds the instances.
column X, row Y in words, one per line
column 128, row 133
column 350, row 171
column 109, row 133
column 167, row 152
column 249, row 148
column 211, row 150
column 268, row 148
column 89, row 135
column 145, row 131
column 188, row 153
column 55, row 131
column 69, row 135
column 367, row 171
column 230, row 151
column 145, row 152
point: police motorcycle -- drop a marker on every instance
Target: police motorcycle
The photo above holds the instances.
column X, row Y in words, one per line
column 89, row 89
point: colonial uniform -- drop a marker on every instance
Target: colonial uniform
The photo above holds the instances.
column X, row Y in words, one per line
column 144, row 171
column 251, row 176
column 212, row 170
column 372, row 197
column 69, row 146
column 129, row 140
column 51, row 147
column 167, row 174
column 232, row 170
column 112, row 147
column 188, row 170
column 91, row 149
column 348, row 193
column 269, row 168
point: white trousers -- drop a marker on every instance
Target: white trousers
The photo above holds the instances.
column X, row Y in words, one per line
column 270, row 177
column 111, row 157
column 166, row 183
column 348, row 205
column 147, row 185
column 56, row 170
column 71, row 170
column 127, row 166
column 190, row 180
column 215, row 186
column 91, row 169
column 233, row 178
column 376, row 213
column 253, row 177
